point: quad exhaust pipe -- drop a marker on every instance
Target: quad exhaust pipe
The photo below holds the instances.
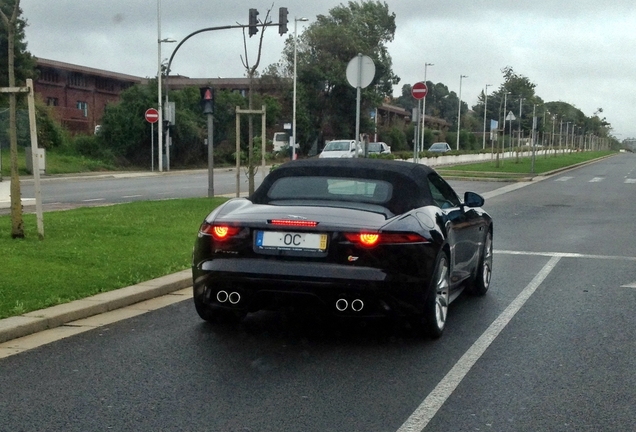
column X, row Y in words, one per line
column 223, row 296
column 356, row 305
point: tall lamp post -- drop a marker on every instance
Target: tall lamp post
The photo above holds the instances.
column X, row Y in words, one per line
column 483, row 146
column 519, row 135
column 459, row 109
column 159, row 96
column 421, row 147
column 294, row 103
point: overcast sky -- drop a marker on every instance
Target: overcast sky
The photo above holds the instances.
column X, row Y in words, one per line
column 582, row 52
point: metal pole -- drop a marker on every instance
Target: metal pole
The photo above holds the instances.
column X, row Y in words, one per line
column 294, row 103
column 459, row 108
column 358, row 96
column 210, row 155
column 159, row 108
column 483, row 145
column 421, row 148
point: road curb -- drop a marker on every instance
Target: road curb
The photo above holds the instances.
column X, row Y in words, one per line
column 55, row 316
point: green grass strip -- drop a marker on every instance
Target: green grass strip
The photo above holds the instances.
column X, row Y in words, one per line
column 512, row 168
column 91, row 250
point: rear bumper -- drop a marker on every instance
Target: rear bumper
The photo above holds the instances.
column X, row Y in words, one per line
column 340, row 290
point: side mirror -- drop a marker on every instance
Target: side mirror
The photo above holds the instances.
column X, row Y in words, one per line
column 472, row 199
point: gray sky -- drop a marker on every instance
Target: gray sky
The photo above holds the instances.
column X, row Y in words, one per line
column 581, row 52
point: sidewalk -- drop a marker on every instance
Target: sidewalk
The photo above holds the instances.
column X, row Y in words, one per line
column 37, row 321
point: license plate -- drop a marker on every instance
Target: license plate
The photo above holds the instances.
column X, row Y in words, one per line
column 292, row 241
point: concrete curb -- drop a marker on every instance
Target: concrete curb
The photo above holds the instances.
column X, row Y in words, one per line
column 40, row 320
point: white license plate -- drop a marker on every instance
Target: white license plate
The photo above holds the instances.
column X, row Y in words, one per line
column 291, row 241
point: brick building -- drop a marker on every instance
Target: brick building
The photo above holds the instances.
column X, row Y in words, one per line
column 79, row 94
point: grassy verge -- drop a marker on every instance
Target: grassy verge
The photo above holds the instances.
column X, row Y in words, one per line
column 511, row 168
column 56, row 163
column 91, row 250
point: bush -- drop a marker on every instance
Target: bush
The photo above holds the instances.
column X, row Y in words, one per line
column 92, row 146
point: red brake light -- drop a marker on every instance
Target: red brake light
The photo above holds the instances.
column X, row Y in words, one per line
column 371, row 239
column 294, row 222
column 219, row 232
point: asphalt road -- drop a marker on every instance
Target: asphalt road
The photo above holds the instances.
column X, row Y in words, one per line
column 550, row 347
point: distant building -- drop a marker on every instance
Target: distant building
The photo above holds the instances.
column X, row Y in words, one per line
column 79, row 94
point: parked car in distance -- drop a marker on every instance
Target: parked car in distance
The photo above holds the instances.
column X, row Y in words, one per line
column 379, row 148
column 280, row 141
column 439, row 147
column 351, row 238
column 340, row 149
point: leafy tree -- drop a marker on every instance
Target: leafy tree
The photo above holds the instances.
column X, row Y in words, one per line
column 24, row 62
column 326, row 101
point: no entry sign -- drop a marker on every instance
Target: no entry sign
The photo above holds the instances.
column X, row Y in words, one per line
column 152, row 115
column 419, row 90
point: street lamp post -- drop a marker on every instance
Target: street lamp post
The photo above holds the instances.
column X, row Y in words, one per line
column 483, row 146
column 159, row 96
column 294, row 103
column 421, row 146
column 519, row 135
column 459, row 109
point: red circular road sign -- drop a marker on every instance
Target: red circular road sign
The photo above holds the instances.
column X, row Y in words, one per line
column 152, row 115
column 419, row 90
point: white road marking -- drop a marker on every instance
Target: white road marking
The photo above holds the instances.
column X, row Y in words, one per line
column 597, row 180
column 434, row 401
column 630, row 181
column 94, row 199
column 132, row 196
column 565, row 178
column 631, row 285
column 566, row 255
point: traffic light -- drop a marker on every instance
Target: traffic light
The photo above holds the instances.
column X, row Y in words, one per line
column 282, row 20
column 253, row 22
column 207, row 99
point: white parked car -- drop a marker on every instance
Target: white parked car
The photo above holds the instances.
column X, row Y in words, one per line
column 379, row 148
column 340, row 149
column 439, row 147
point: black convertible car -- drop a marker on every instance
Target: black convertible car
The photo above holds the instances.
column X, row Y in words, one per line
column 354, row 237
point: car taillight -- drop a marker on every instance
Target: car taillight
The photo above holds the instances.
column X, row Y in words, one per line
column 219, row 232
column 293, row 222
column 373, row 239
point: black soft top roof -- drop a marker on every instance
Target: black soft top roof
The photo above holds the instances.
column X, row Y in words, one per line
column 409, row 180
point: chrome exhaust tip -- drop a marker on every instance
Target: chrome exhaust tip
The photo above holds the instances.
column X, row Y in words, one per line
column 357, row 305
column 234, row 297
column 221, row 296
column 342, row 304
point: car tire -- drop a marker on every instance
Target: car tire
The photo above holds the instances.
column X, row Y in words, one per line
column 483, row 272
column 433, row 320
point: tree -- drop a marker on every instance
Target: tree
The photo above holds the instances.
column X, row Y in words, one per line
column 326, row 101
column 24, row 63
column 251, row 73
column 11, row 27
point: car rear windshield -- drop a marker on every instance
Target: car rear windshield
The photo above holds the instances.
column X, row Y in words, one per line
column 331, row 188
column 337, row 146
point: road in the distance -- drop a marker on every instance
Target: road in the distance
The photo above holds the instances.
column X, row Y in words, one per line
column 59, row 192
column 549, row 348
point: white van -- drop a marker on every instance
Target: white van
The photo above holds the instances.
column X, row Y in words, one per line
column 340, row 149
column 280, row 140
